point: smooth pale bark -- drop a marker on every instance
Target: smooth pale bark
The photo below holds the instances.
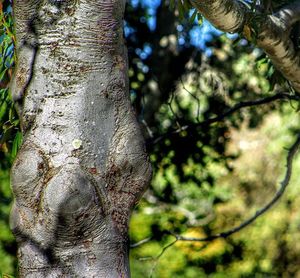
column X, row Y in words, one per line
column 82, row 166
column 272, row 32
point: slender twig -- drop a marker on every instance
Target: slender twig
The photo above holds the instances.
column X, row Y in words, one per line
column 150, row 132
column 137, row 244
column 249, row 104
column 230, row 111
column 156, row 258
column 160, row 254
column 172, row 110
column 193, row 96
column 279, row 193
column 283, row 185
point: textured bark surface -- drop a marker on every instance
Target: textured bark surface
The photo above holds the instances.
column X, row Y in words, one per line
column 272, row 31
column 82, row 166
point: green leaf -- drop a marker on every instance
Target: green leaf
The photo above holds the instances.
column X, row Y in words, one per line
column 270, row 71
column 186, row 5
column 2, row 74
column 200, row 19
column 3, row 110
column 12, row 114
column 193, row 17
column 16, row 144
column 172, row 4
column 262, row 62
column 180, row 10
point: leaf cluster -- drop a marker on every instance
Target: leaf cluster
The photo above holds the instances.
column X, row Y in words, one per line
column 186, row 11
column 10, row 136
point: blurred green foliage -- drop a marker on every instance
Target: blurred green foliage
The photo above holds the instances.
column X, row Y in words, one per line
column 206, row 178
column 7, row 241
column 203, row 184
column 10, row 136
column 265, row 249
column 10, row 139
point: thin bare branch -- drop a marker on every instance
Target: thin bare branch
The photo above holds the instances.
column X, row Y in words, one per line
column 245, row 104
column 134, row 245
column 285, row 182
column 160, row 254
column 194, row 97
column 172, row 110
column 156, row 258
column 149, row 131
column 283, row 185
column 207, row 122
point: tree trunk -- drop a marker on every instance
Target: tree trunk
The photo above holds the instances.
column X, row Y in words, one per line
column 82, row 166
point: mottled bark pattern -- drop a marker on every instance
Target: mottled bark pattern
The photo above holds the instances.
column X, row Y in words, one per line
column 272, row 31
column 82, row 166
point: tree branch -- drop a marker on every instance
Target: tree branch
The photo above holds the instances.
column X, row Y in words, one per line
column 285, row 182
column 230, row 111
column 272, row 32
column 289, row 14
column 227, row 15
column 141, row 242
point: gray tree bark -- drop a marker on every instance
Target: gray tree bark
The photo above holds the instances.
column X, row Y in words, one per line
column 82, row 166
column 272, row 31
